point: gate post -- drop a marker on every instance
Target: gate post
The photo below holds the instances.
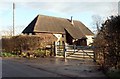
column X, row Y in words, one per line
column 94, row 57
column 94, row 54
column 55, row 49
column 64, row 54
column 74, row 47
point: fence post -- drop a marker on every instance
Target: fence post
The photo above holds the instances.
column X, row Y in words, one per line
column 94, row 54
column 74, row 47
column 51, row 48
column 64, row 49
column 94, row 57
column 55, row 49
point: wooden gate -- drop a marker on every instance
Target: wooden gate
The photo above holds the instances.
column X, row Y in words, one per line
column 68, row 50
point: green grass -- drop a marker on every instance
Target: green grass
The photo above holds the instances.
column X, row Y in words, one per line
column 6, row 54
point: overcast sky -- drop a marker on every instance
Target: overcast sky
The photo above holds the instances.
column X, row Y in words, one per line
column 27, row 10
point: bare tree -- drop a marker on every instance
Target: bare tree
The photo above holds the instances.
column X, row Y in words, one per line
column 97, row 21
column 7, row 32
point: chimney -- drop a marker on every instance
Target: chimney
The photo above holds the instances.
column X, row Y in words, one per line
column 72, row 20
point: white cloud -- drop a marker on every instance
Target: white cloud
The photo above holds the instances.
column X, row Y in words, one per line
column 100, row 7
column 104, row 8
column 59, row 0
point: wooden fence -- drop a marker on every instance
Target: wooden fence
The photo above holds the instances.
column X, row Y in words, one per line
column 67, row 50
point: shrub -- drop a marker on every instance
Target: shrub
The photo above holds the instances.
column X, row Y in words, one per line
column 107, row 43
column 32, row 44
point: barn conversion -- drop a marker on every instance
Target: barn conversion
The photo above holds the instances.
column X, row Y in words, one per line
column 65, row 30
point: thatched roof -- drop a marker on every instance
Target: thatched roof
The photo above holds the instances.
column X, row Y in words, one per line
column 49, row 24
